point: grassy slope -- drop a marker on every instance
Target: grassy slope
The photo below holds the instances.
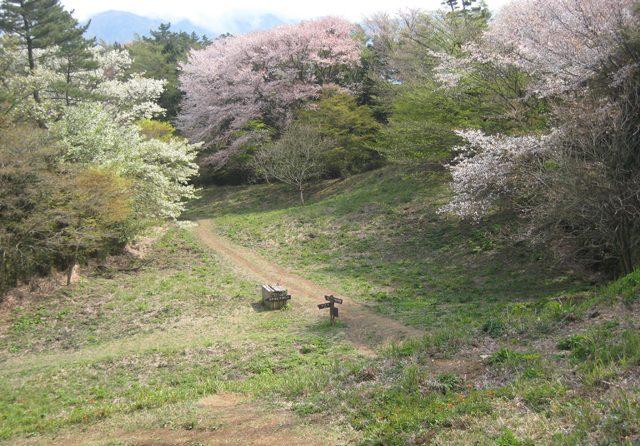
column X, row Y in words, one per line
column 136, row 348
column 515, row 352
column 505, row 318
column 378, row 237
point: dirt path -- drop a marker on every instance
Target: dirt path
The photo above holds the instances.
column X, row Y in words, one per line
column 364, row 328
column 231, row 419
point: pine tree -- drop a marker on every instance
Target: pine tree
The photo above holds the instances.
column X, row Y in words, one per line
column 76, row 58
column 41, row 24
column 464, row 5
column 159, row 56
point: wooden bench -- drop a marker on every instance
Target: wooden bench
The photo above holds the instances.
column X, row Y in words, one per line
column 274, row 297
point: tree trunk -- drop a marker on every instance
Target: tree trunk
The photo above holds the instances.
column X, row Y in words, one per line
column 72, row 264
column 624, row 248
column 70, row 272
column 301, row 188
column 31, row 57
column 67, row 99
column 30, row 48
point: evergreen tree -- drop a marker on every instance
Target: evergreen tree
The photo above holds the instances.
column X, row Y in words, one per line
column 159, row 56
column 76, row 58
column 464, row 5
column 41, row 24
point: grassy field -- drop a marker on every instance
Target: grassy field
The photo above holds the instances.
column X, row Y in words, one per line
column 515, row 352
column 378, row 237
column 138, row 347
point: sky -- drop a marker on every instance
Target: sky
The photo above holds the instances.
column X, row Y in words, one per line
column 208, row 12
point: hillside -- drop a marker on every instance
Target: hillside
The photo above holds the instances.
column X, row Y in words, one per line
column 172, row 346
column 370, row 225
column 379, row 238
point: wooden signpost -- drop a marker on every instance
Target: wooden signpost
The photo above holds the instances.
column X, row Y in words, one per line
column 333, row 310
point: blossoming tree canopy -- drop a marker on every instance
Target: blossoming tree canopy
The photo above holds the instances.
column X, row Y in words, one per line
column 562, row 41
column 264, row 75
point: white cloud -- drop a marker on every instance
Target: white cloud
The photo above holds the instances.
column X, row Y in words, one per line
column 211, row 12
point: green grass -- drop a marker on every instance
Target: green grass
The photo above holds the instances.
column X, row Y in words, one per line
column 179, row 328
column 516, row 351
column 379, row 238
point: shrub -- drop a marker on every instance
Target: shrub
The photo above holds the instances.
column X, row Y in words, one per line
column 54, row 214
column 449, row 382
column 152, row 129
column 494, row 327
column 353, row 129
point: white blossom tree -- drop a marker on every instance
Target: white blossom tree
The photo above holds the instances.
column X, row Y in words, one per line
column 489, row 168
column 160, row 170
column 19, row 82
column 561, row 44
column 128, row 97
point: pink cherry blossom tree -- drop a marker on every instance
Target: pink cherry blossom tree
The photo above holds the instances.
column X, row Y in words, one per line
column 559, row 43
column 578, row 187
column 562, row 42
column 263, row 76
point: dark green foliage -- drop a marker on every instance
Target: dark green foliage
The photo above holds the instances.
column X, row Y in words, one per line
column 159, row 56
column 464, row 22
column 352, row 127
column 23, row 187
column 494, row 327
column 422, row 124
column 77, row 58
column 463, row 5
column 425, row 116
column 39, row 24
column 374, row 91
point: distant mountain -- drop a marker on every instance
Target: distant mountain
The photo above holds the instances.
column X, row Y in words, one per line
column 243, row 24
column 122, row 26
